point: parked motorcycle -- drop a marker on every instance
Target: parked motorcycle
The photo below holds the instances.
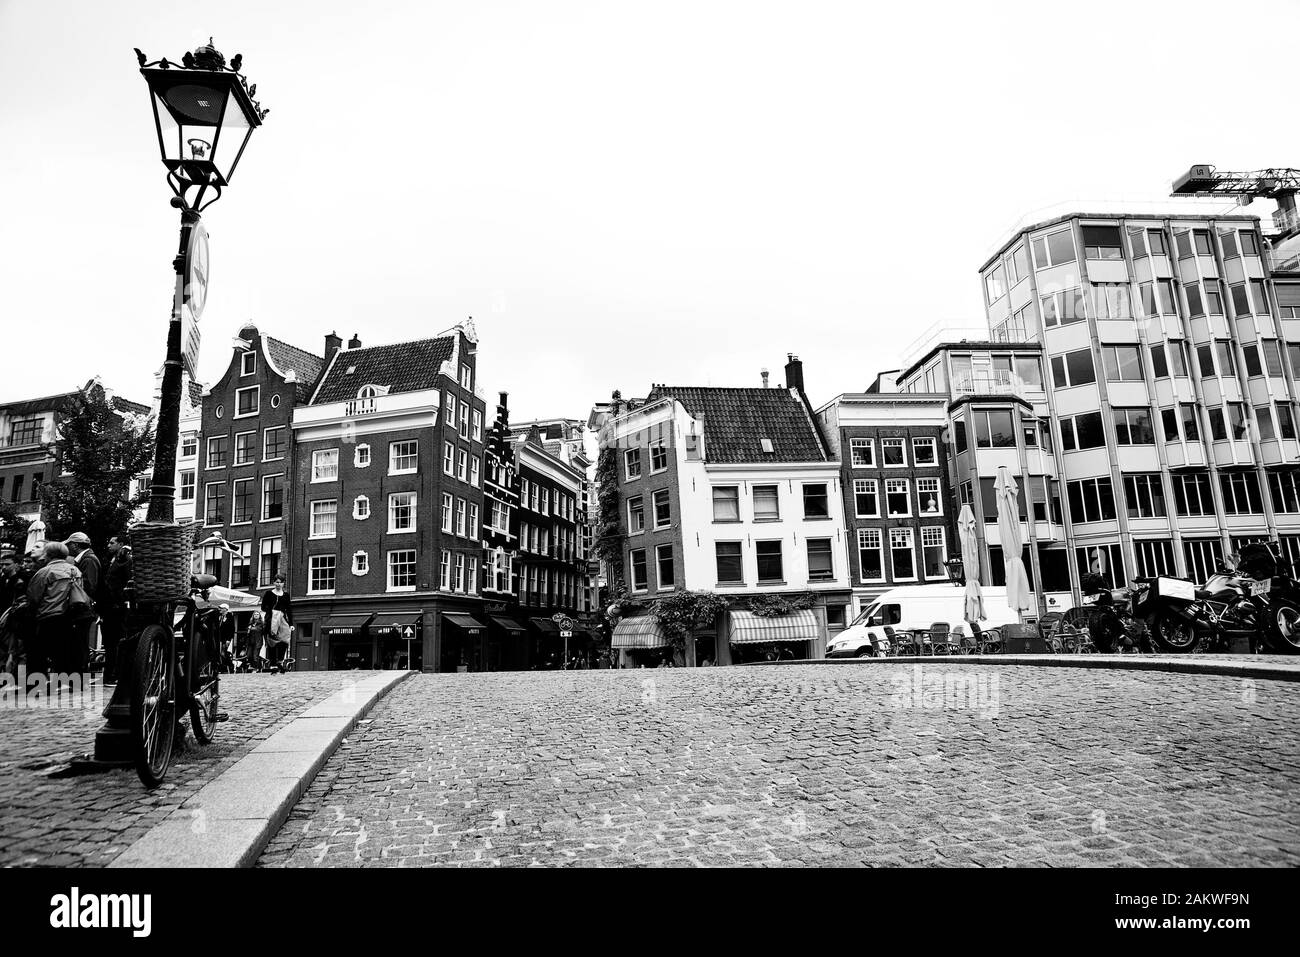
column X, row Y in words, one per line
column 1280, row 604
column 1182, row 617
column 1110, row 619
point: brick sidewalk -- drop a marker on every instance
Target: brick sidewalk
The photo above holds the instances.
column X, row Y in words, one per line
column 89, row 820
column 811, row 765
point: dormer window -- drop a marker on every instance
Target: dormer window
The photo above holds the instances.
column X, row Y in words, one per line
column 367, row 392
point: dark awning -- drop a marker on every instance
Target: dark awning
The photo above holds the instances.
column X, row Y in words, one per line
column 509, row 624
column 397, row 626
column 468, row 622
column 345, row 626
column 545, row 626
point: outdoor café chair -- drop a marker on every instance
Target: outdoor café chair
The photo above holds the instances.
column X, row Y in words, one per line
column 938, row 638
column 987, row 642
column 967, row 644
column 897, row 642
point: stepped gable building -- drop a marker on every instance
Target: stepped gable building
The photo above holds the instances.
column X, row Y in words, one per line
column 387, row 503
column 733, row 491
column 242, row 456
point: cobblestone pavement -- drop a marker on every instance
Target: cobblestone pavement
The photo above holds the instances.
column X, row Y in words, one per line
column 88, row 820
column 809, row 765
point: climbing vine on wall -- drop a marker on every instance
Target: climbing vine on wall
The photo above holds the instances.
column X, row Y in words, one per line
column 773, row 606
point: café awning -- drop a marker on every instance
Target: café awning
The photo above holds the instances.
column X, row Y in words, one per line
column 507, row 624
column 748, row 628
column 468, row 622
column 396, row 626
column 545, row 626
column 346, row 626
column 642, row 632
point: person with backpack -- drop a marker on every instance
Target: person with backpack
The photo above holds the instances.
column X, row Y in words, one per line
column 58, row 599
column 277, row 620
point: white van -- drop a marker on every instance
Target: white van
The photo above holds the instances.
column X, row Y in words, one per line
column 913, row 607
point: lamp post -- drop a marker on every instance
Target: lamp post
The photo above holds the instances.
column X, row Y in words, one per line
column 204, row 114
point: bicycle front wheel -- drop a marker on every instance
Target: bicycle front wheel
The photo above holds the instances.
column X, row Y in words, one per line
column 153, row 705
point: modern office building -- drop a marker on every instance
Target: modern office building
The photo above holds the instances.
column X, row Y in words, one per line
column 1140, row 370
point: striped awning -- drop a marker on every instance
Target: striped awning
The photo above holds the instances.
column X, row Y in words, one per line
column 748, row 628
column 643, row 632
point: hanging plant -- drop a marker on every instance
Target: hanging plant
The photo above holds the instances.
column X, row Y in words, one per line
column 609, row 528
column 680, row 613
column 774, row 606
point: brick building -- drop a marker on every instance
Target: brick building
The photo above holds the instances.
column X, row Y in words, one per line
column 244, row 456
column 898, row 504
column 387, row 501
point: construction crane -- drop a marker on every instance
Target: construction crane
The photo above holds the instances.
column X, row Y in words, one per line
column 1279, row 184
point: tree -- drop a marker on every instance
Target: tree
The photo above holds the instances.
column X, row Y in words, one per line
column 99, row 451
column 680, row 613
column 13, row 527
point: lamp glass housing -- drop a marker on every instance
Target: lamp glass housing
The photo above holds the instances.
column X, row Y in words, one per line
column 204, row 119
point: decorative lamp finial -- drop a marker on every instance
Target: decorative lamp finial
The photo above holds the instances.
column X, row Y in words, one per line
column 209, row 57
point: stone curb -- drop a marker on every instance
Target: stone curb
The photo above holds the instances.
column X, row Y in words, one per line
column 1188, row 664
column 232, row 818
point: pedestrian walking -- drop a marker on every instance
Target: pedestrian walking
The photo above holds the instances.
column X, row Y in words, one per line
column 84, row 557
column 277, row 621
column 54, row 641
column 112, row 602
column 13, row 611
column 226, row 632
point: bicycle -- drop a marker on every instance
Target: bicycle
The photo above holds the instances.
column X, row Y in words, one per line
column 177, row 669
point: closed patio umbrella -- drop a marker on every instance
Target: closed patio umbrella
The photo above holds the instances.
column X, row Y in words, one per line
column 35, row 535
column 1005, row 491
column 970, row 563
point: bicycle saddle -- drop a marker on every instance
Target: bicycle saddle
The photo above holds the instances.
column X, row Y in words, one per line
column 205, row 581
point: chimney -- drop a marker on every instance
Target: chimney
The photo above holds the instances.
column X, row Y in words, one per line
column 793, row 372
column 765, row 384
column 503, row 404
column 616, row 403
column 332, row 345
column 354, row 342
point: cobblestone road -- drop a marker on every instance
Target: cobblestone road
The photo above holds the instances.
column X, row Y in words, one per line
column 812, row 765
column 88, row 820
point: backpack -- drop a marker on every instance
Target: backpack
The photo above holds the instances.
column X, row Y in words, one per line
column 79, row 603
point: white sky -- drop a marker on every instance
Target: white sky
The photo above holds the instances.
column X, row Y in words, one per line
column 619, row 193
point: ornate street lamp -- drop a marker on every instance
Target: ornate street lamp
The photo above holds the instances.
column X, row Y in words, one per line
column 956, row 571
column 204, row 113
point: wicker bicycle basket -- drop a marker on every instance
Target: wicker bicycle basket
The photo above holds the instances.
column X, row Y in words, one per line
column 161, row 555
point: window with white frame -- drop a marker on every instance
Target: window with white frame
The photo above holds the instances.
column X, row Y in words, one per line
column 248, row 363
column 273, row 444
column 244, row 501
column 767, row 503
column 726, row 503
column 188, row 481
column 1240, row 493
column 361, row 456
column 360, row 563
column 245, row 448
column 403, row 457
column 450, row 417
column 324, row 518
column 189, row 445
column 247, row 401
column 321, row 570
column 816, row 501
column 1144, row 495
column 1154, row 558
column 325, row 465
column 241, row 564
column 446, row 512
column 471, row 530
column 401, row 512
column 444, row 571
column 1053, row 249
column 458, row 583
column 934, row 551
column 471, row 576
column 663, row 511
column 462, row 465
column 923, row 452
column 902, row 554
column 892, row 453
column 821, row 566
column 268, row 565
column 636, row 514
column 1284, row 490
column 866, row 498
column 461, row 513
column 462, row 428
column 401, row 570
column 478, row 426
column 218, row 449
column 929, row 498
column 664, row 566
column 898, row 503
column 862, row 453
column 631, row 464
column 1204, row 556
column 640, row 576
column 272, row 497
column 448, row 459
column 871, row 555
column 658, row 458
column 466, row 378
column 361, row 507
column 214, row 504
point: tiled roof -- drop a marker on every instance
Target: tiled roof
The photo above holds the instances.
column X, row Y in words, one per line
column 402, row 367
column 737, row 420
column 196, row 393
column 305, row 366
column 126, row 405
